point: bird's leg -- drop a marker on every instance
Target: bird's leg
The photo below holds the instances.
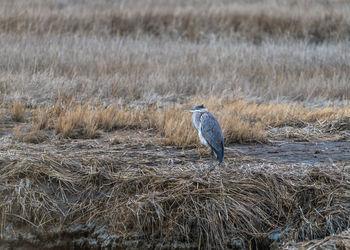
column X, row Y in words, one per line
column 211, row 168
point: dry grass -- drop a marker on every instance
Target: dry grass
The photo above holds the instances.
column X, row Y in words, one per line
column 78, row 61
column 238, row 204
column 2, row 115
column 82, row 121
column 77, row 122
column 86, row 69
column 241, row 121
column 138, row 197
column 149, row 70
column 338, row 241
column 278, row 114
column 107, row 118
column 17, row 111
column 42, row 119
column 256, row 20
column 244, row 121
column 25, row 134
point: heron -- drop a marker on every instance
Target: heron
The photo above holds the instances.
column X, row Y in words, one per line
column 209, row 132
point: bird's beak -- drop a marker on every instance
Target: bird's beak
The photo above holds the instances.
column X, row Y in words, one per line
column 189, row 109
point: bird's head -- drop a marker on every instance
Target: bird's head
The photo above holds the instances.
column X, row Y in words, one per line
column 197, row 108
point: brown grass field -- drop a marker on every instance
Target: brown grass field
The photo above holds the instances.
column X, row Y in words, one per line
column 97, row 152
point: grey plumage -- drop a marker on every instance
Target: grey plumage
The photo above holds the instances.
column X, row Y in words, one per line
column 209, row 131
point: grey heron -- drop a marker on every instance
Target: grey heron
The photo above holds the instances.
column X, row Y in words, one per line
column 209, row 131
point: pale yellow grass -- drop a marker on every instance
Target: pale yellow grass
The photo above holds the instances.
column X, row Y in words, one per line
column 176, row 126
column 241, row 120
column 118, row 117
column 17, row 111
column 42, row 118
column 84, row 120
column 77, row 122
column 271, row 113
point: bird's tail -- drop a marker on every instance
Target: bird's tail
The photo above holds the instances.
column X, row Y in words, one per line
column 219, row 153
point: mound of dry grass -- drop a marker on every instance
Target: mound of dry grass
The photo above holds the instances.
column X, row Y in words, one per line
column 249, row 205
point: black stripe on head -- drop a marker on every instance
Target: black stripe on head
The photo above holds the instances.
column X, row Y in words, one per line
column 199, row 107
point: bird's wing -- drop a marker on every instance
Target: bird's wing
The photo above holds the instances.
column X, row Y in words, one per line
column 211, row 131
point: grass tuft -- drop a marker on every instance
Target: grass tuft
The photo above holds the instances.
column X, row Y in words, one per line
column 77, row 122
column 17, row 111
column 176, row 126
column 42, row 119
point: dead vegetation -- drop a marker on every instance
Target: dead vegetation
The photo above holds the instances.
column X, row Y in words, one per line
column 97, row 151
column 238, row 205
column 153, row 71
column 17, row 112
column 338, row 241
column 241, row 120
column 77, row 123
column 41, row 118
column 193, row 20
column 130, row 65
column 27, row 135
